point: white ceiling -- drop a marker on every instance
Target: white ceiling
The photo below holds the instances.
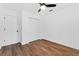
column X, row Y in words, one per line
column 33, row 7
column 29, row 7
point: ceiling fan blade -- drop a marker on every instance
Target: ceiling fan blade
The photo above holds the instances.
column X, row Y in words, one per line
column 39, row 10
column 50, row 10
column 51, row 5
column 42, row 4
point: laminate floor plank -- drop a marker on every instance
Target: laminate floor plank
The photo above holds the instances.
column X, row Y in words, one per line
column 40, row 47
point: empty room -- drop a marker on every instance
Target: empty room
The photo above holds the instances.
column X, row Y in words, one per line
column 39, row 29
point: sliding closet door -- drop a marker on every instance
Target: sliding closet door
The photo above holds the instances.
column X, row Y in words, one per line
column 2, row 35
column 10, row 25
column 8, row 30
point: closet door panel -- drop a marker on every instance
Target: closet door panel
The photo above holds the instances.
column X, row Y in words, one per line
column 10, row 30
column 2, row 35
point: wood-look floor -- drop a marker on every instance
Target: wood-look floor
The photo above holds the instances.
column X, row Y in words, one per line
column 39, row 47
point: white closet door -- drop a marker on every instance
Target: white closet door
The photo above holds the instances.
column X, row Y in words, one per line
column 1, row 31
column 10, row 25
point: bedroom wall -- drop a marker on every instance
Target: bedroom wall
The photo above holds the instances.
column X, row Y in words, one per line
column 63, row 27
column 30, row 27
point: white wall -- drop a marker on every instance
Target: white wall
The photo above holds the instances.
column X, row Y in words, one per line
column 30, row 27
column 63, row 27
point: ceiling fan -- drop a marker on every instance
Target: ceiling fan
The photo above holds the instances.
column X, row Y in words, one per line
column 45, row 5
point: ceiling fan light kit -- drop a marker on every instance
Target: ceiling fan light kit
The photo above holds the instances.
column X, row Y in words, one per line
column 43, row 6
